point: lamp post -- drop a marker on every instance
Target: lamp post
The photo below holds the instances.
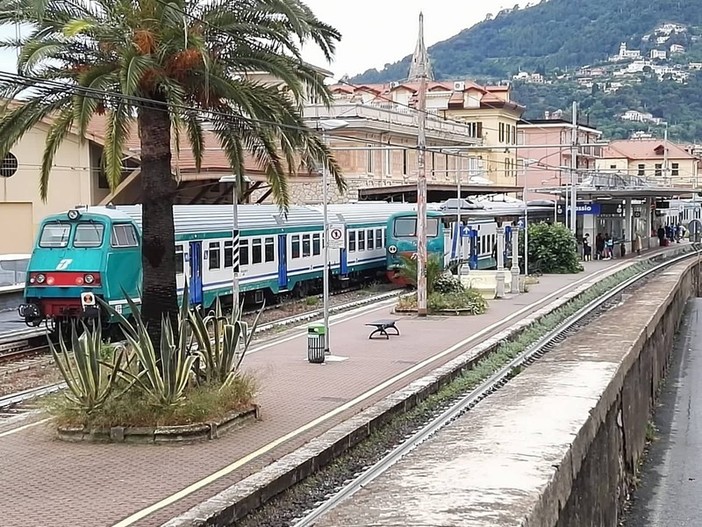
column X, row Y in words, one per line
column 327, row 125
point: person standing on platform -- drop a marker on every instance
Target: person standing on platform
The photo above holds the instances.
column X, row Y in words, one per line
column 587, row 248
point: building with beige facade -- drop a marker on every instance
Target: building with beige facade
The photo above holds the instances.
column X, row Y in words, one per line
column 662, row 163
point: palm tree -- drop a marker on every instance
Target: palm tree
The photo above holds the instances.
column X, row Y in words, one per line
column 169, row 66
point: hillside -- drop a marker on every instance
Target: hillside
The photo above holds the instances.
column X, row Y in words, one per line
column 562, row 34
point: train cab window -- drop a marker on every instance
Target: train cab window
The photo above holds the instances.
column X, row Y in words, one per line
column 369, row 239
column 228, row 254
column 269, row 250
column 124, row 235
column 179, row 259
column 306, row 249
column 88, row 234
column 55, row 235
column 295, row 245
column 405, row 227
column 352, row 241
column 214, row 255
column 432, row 227
column 361, row 240
column 244, row 252
column 256, row 252
column 316, row 244
column 378, row 238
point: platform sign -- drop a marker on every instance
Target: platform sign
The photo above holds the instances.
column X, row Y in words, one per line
column 465, row 231
column 337, row 236
column 520, row 224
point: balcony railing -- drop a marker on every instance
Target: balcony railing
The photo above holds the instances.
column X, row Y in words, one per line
column 390, row 114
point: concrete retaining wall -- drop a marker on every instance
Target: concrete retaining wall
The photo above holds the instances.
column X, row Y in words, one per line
column 606, row 454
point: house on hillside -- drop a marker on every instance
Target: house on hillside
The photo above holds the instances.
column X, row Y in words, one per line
column 663, row 163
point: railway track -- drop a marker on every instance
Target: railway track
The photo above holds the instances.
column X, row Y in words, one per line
column 465, row 402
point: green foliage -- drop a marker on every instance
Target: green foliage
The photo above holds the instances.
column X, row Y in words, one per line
column 222, row 342
column 552, row 249
column 187, row 57
column 448, row 283
column 90, row 380
column 467, row 301
column 408, row 270
column 578, row 33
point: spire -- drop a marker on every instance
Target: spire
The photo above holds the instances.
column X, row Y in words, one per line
column 420, row 59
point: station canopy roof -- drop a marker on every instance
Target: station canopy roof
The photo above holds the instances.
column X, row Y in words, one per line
column 606, row 186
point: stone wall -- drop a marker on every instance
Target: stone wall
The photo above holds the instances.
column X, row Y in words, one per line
column 605, row 456
column 311, row 192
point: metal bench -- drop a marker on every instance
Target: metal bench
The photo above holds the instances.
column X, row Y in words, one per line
column 381, row 326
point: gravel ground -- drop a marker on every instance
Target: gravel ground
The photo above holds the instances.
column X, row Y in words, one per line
column 29, row 374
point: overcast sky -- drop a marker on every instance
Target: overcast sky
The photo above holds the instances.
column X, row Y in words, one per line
column 375, row 32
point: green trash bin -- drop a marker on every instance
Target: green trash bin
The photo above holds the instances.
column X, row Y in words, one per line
column 316, row 342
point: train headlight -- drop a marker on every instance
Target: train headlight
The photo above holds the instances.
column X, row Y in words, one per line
column 41, row 279
column 73, row 214
column 392, row 249
column 89, row 279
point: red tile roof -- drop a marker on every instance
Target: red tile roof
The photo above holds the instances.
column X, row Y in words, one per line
column 644, row 149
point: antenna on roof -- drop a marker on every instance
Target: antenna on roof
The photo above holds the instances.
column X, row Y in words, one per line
column 111, row 205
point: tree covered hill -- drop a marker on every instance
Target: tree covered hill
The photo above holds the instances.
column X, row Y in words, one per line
column 562, row 34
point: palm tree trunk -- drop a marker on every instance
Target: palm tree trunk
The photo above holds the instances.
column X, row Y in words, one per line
column 159, row 295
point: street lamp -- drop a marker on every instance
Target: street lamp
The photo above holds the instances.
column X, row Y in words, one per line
column 327, row 125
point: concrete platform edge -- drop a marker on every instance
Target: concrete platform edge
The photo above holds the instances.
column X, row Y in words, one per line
column 242, row 498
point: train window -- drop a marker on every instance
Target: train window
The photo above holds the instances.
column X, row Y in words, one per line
column 269, row 250
column 306, row 245
column 378, row 238
column 124, row 235
column 88, row 234
column 179, row 259
column 55, row 235
column 228, row 254
column 405, row 227
column 361, row 240
column 214, row 255
column 256, row 253
column 244, row 252
column 316, row 244
column 295, row 243
column 352, row 241
column 432, row 227
column 369, row 238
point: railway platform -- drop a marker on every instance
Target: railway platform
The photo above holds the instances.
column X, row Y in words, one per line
column 49, row 482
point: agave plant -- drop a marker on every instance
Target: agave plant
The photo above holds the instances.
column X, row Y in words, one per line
column 222, row 342
column 164, row 371
column 90, row 380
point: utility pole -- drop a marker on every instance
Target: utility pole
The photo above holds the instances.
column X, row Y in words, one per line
column 573, row 173
column 665, row 156
column 422, row 178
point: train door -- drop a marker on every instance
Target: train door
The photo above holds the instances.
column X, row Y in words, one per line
column 282, row 261
column 344, row 264
column 195, row 273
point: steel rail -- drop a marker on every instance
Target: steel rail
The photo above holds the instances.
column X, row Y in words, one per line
column 467, row 402
column 15, row 398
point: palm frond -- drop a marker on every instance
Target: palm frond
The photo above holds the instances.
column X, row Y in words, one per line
column 117, row 131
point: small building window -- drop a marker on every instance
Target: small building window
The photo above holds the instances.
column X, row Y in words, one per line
column 270, row 250
column 214, row 255
column 659, row 170
column 676, row 170
column 404, row 162
column 641, row 170
column 244, row 252
column 9, row 165
column 369, row 161
column 256, row 251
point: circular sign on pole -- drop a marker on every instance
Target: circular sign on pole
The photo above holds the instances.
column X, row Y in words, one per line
column 336, row 236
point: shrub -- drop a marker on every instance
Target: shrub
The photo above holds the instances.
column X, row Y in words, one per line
column 448, row 283
column 552, row 249
column 467, row 300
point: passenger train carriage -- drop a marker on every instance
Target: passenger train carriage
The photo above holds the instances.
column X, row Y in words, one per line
column 95, row 251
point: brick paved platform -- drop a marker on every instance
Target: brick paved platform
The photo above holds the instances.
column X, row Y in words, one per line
column 48, row 482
